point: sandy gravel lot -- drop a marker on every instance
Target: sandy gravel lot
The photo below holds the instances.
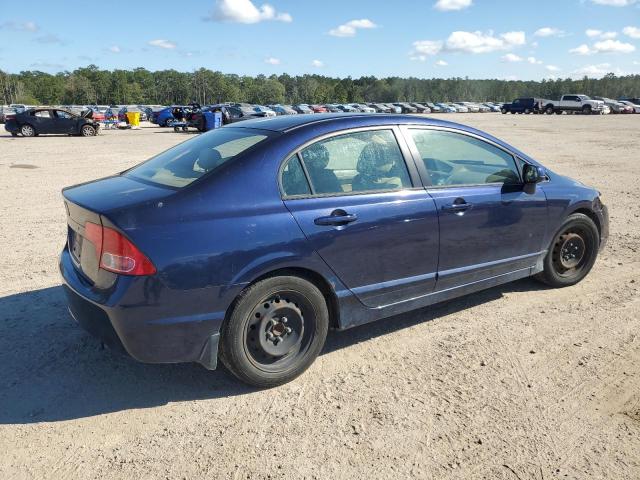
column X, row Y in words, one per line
column 516, row 382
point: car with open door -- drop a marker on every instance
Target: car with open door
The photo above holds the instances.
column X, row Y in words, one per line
column 248, row 242
column 44, row 121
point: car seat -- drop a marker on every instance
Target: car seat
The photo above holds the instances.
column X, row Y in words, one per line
column 316, row 158
column 371, row 174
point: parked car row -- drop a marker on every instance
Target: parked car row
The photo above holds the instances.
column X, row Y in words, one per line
column 572, row 104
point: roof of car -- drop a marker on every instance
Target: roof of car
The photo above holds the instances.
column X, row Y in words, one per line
column 287, row 123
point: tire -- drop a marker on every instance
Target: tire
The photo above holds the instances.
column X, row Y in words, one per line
column 527, row 111
column 548, row 110
column 572, row 252
column 88, row 131
column 558, row 112
column 275, row 331
column 586, row 110
column 504, row 111
column 27, row 130
column 14, row 134
column 176, row 129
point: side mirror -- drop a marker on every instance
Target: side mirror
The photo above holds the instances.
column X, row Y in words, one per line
column 532, row 174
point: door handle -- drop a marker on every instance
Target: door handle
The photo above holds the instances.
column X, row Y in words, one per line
column 337, row 218
column 457, row 207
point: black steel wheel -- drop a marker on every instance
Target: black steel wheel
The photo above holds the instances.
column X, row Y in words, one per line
column 572, row 253
column 275, row 331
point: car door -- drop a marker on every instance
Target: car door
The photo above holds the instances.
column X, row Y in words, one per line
column 360, row 205
column 42, row 121
column 489, row 224
column 64, row 122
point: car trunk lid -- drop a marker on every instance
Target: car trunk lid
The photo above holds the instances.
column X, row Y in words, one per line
column 94, row 203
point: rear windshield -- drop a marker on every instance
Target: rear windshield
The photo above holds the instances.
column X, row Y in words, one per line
column 184, row 163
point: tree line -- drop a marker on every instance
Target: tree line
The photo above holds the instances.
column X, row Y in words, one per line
column 92, row 85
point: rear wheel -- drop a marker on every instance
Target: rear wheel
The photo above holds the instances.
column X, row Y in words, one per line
column 27, row 131
column 586, row 109
column 572, row 253
column 504, row 111
column 276, row 330
column 527, row 111
column 88, row 131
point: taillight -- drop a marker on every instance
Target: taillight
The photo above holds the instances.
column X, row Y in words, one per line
column 116, row 253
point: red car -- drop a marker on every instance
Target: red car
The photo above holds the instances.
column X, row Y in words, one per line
column 318, row 109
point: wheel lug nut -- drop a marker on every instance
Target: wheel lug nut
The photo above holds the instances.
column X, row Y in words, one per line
column 284, row 319
column 288, row 330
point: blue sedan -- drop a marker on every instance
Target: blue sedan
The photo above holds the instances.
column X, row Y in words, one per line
column 248, row 243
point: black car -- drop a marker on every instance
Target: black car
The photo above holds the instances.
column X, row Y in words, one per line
column 421, row 108
column 380, row 108
column 36, row 121
column 525, row 105
column 406, row 108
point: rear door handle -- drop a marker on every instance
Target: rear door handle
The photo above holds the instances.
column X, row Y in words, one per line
column 457, row 207
column 337, row 218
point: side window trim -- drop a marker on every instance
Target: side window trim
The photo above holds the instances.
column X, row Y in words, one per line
column 403, row 146
column 422, row 169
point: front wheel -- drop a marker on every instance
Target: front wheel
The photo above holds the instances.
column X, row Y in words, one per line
column 548, row 110
column 572, row 252
column 276, row 330
column 586, row 110
column 88, row 131
column 527, row 111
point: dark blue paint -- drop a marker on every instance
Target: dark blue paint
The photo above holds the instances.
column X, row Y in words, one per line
column 210, row 240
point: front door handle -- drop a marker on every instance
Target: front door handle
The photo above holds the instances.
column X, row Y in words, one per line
column 337, row 218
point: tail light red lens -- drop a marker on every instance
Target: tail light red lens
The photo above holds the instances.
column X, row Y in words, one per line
column 116, row 253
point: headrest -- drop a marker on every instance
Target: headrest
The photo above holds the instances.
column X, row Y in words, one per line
column 372, row 157
column 316, row 157
column 209, row 158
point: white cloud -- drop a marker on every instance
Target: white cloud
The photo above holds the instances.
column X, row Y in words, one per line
column 511, row 58
column 441, row 63
column 166, row 44
column 448, row 5
column 604, row 46
column 593, row 33
column 633, row 32
column 548, row 32
column 317, row 63
column 534, row 61
column 613, row 46
column 114, row 49
column 349, row 29
column 581, row 50
column 599, row 70
column 20, row 26
column 478, row 42
column 425, row 48
column 552, row 68
column 244, row 11
column 614, row 3
column 272, row 61
column 467, row 42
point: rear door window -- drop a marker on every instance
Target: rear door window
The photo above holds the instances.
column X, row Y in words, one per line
column 188, row 161
column 356, row 162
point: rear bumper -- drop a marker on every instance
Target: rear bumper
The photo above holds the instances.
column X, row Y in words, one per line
column 134, row 317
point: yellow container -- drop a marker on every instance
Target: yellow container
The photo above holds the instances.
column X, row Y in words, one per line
column 133, row 118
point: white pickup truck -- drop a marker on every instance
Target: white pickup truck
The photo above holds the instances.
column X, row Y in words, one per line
column 574, row 103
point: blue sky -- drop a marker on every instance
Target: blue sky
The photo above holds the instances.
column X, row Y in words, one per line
column 512, row 39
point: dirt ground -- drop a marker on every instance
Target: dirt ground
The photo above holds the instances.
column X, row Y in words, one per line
column 516, row 382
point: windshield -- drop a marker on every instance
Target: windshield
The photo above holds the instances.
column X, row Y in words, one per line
column 185, row 163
